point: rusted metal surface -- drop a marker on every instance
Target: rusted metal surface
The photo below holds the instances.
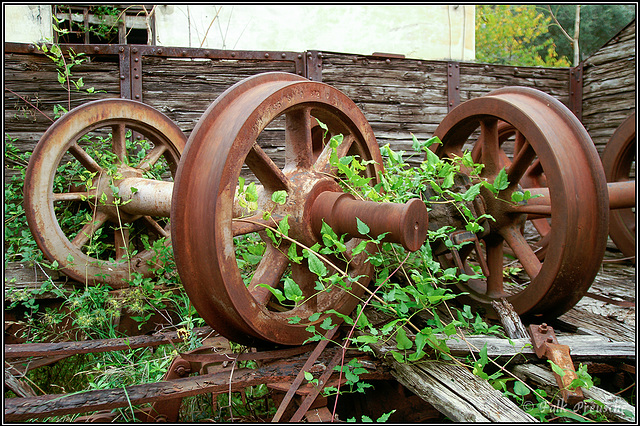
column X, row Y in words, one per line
column 405, row 224
column 618, row 160
column 453, row 85
column 62, row 142
column 546, row 346
column 320, row 347
column 555, row 283
column 202, row 214
column 575, row 90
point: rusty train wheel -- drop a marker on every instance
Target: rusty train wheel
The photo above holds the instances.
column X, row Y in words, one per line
column 74, row 164
column 207, row 228
column 618, row 160
column 575, row 203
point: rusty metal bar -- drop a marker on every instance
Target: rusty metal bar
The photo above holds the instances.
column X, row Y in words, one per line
column 575, row 91
column 313, row 65
column 622, row 195
column 136, row 73
column 322, row 381
column 453, row 85
column 124, row 57
column 300, row 377
column 406, row 224
column 546, row 345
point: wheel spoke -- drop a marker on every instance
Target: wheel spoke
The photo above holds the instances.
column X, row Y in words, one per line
column 73, row 196
column 89, row 229
column 121, row 241
column 247, row 225
column 322, row 163
column 495, row 266
column 267, row 172
column 151, row 157
column 153, row 225
column 522, row 250
column 270, row 270
column 119, row 141
column 298, row 140
column 521, row 161
column 85, row 159
column 490, row 146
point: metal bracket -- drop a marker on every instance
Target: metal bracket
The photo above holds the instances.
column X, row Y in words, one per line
column 453, row 85
column 546, row 345
column 575, row 91
column 313, row 61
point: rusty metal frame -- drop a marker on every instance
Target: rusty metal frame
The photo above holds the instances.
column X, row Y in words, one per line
column 575, row 90
column 453, row 85
column 307, row 64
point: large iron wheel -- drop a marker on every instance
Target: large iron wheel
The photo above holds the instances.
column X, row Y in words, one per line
column 618, row 160
column 72, row 180
column 209, row 230
column 574, row 200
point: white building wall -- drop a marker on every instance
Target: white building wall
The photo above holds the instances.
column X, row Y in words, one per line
column 27, row 24
column 416, row 31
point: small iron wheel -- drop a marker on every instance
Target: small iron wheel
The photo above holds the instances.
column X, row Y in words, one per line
column 618, row 160
column 232, row 140
column 550, row 143
column 71, row 188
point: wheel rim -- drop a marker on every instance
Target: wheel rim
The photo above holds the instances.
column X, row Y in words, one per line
column 618, row 160
column 223, row 141
column 570, row 167
column 52, row 188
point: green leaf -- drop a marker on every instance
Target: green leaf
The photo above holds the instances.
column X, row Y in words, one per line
column 363, row 229
column 283, row 225
column 279, row 197
column 556, row 368
column 403, row 342
column 520, row 389
column 292, row 290
column 502, row 181
column 277, row 293
column 315, row 264
column 385, row 417
column 308, row 376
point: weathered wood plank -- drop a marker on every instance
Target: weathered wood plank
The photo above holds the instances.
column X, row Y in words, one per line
column 615, row 407
column 455, row 392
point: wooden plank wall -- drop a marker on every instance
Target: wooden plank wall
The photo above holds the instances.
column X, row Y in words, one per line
column 609, row 87
column 398, row 96
column 404, row 96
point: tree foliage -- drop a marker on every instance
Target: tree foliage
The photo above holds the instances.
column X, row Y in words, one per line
column 527, row 35
column 515, row 35
column 598, row 24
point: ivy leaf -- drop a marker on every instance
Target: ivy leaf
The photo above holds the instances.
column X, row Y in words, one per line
column 283, row 225
column 556, row 368
column 363, row 229
column 279, row 197
column 501, row 181
column 315, row 264
column 403, row 342
column 520, row 389
column 292, row 290
column 277, row 293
